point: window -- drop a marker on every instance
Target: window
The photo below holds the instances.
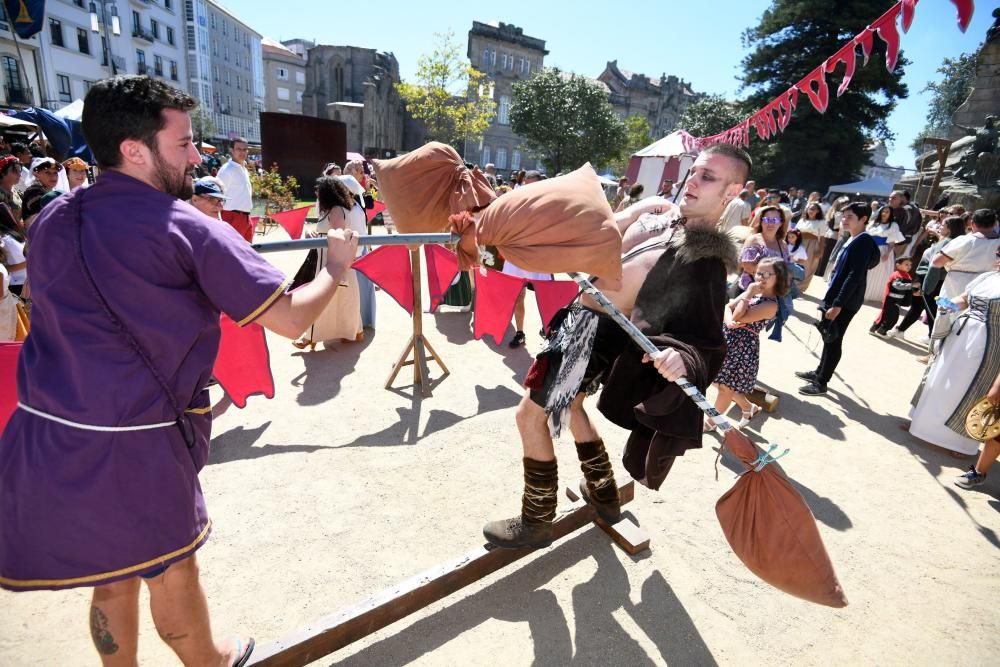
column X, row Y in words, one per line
column 170, row 35
column 173, row 70
column 215, row 48
column 214, row 26
column 225, row 27
column 486, row 155
column 158, row 65
column 87, row 85
column 503, row 112
column 65, row 93
column 240, row 104
column 300, row 78
column 136, row 23
column 489, row 57
column 501, row 158
column 55, row 32
column 282, row 73
column 503, row 60
column 298, row 96
column 168, row 4
column 229, row 80
column 83, row 41
column 215, row 72
column 78, row 3
column 226, row 54
column 239, row 83
column 140, row 59
column 283, row 93
column 515, row 160
column 154, row 27
column 526, row 66
column 16, row 93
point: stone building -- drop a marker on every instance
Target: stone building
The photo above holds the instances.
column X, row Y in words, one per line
column 661, row 101
column 506, row 55
column 284, row 77
column 357, row 86
column 22, row 86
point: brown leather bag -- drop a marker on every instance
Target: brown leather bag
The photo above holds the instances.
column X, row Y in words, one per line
column 769, row 526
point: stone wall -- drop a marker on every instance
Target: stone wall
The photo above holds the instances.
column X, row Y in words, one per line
column 985, row 96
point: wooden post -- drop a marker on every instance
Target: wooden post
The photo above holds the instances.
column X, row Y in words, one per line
column 943, row 148
column 417, row 344
column 336, row 631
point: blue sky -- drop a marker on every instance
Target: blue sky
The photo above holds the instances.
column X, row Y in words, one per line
column 697, row 41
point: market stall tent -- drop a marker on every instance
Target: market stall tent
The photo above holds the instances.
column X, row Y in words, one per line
column 874, row 186
column 670, row 157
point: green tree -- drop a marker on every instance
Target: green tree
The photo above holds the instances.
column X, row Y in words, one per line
column 711, row 114
column 566, row 120
column 449, row 96
column 637, row 136
column 791, row 39
column 957, row 78
column 278, row 194
column 202, row 125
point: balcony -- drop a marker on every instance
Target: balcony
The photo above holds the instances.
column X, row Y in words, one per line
column 142, row 68
column 18, row 95
column 143, row 33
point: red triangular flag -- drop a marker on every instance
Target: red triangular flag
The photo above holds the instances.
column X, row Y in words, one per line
column 552, row 295
column 374, row 210
column 389, row 268
column 442, row 267
column 292, row 221
column 495, row 296
column 243, row 366
column 8, row 380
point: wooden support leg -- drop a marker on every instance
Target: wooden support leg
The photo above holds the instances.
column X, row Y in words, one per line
column 336, row 631
column 399, row 363
column 763, row 398
column 626, row 533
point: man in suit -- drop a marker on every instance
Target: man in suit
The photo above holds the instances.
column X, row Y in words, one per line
column 844, row 296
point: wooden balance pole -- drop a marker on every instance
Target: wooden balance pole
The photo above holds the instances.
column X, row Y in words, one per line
column 417, row 342
column 333, row 632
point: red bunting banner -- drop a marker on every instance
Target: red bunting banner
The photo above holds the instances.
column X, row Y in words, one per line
column 552, row 295
column 8, row 380
column 292, row 221
column 374, row 210
column 389, row 268
column 496, row 293
column 243, row 366
column 442, row 267
column 814, row 84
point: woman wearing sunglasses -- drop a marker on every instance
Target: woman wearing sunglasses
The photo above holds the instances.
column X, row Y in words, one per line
column 767, row 239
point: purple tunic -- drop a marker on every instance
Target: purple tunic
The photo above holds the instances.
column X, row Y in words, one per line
column 85, row 507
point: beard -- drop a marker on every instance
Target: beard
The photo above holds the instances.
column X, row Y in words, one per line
column 170, row 180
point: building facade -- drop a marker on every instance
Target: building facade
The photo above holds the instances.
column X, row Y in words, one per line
column 284, row 77
column 225, row 69
column 660, row 101
column 77, row 47
column 357, row 87
column 20, row 61
column 506, row 55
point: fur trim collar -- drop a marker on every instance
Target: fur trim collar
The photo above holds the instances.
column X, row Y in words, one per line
column 694, row 243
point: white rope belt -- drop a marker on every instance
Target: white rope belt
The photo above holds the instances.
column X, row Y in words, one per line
column 91, row 427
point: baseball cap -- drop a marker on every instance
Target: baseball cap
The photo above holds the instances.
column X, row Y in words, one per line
column 207, row 187
column 45, row 163
column 75, row 163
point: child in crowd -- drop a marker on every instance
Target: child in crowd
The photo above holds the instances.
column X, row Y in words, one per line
column 898, row 293
column 745, row 317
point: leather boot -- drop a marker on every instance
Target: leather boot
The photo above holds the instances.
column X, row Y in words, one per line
column 598, row 484
column 533, row 527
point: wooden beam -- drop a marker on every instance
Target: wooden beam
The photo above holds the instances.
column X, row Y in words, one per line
column 338, row 630
column 626, row 533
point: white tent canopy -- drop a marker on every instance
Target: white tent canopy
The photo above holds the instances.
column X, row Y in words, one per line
column 73, row 111
column 875, row 186
column 676, row 143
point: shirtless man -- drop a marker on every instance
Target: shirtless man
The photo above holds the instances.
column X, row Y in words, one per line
column 589, row 344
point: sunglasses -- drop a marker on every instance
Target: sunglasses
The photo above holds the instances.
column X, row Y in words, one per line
column 49, row 170
column 763, row 274
column 771, row 221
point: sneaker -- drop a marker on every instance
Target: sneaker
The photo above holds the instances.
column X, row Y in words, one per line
column 925, row 340
column 970, row 478
column 807, row 375
column 877, row 333
column 894, row 333
column 517, row 340
column 815, row 388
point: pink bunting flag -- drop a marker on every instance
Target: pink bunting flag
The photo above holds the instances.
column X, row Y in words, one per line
column 389, row 268
column 243, row 365
column 292, row 221
column 847, row 55
column 552, row 295
column 442, row 267
column 495, row 296
column 965, row 9
column 820, row 96
column 370, row 213
column 9, row 353
column 885, row 26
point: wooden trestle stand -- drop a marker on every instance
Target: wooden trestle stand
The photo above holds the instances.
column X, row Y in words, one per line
column 417, row 342
column 338, row 630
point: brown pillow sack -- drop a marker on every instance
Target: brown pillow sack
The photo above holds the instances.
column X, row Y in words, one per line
column 553, row 226
column 422, row 188
column 769, row 526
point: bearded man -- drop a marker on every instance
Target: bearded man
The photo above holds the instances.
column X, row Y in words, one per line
column 674, row 270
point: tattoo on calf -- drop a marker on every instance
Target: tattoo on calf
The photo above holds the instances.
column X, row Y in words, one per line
column 99, row 632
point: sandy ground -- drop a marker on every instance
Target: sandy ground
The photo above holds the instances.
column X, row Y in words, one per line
column 338, row 488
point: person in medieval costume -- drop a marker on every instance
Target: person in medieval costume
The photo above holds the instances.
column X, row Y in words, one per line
column 673, row 287
column 100, row 488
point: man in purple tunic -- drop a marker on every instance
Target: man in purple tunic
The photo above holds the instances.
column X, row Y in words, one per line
column 99, row 464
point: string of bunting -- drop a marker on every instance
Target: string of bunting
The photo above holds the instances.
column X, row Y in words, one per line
column 774, row 117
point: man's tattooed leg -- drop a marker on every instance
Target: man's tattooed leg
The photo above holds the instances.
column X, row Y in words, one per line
column 99, row 632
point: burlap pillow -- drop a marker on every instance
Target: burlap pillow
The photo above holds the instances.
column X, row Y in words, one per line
column 422, row 188
column 553, row 226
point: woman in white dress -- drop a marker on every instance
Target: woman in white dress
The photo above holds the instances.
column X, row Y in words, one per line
column 886, row 234
column 358, row 221
column 341, row 319
column 970, row 254
column 964, row 370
